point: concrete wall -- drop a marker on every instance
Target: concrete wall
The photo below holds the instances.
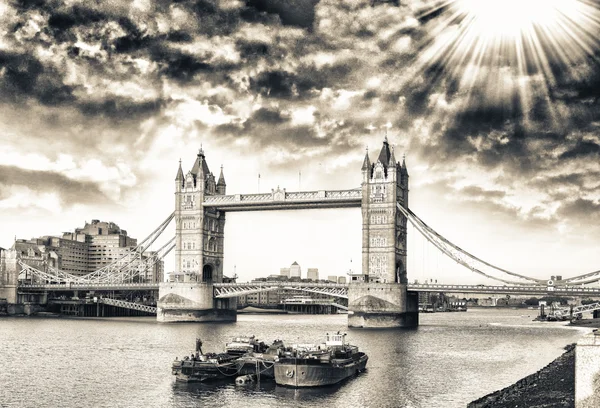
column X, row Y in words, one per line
column 587, row 371
column 193, row 302
column 382, row 305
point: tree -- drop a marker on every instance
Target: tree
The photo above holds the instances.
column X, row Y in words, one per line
column 532, row 301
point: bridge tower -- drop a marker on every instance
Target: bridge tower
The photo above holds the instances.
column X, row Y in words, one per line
column 199, row 231
column 380, row 298
column 199, row 249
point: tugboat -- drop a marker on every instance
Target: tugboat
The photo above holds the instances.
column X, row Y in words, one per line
column 317, row 365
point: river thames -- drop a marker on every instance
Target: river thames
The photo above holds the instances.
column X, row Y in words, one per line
column 450, row 360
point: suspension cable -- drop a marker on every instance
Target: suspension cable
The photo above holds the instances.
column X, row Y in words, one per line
column 435, row 239
column 423, row 226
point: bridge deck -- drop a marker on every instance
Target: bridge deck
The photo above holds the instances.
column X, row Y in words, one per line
column 223, row 290
column 282, row 200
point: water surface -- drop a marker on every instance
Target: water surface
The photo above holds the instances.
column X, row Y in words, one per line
column 450, row 360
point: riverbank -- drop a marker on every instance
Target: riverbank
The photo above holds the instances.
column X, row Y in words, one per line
column 590, row 323
column 551, row 387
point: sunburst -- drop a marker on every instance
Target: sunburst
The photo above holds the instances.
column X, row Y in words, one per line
column 511, row 47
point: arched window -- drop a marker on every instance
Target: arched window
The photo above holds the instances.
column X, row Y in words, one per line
column 212, row 244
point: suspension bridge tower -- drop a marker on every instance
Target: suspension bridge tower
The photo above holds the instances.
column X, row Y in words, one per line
column 199, row 248
column 379, row 298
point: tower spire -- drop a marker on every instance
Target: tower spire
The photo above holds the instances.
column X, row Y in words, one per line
column 404, row 169
column 221, row 181
column 392, row 162
column 384, row 154
column 366, row 161
column 179, row 173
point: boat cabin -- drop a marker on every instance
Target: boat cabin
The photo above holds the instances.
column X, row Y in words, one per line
column 335, row 339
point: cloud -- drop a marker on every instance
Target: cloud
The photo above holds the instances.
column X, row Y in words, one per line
column 300, row 81
column 300, row 13
column 54, row 186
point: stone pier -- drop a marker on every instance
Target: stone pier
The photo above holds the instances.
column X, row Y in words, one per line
column 587, row 371
column 382, row 305
column 9, row 272
column 193, row 302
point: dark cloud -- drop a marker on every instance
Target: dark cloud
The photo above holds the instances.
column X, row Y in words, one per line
column 278, row 84
column 74, row 16
column 120, row 108
column 300, row 13
column 580, row 209
column 252, row 48
column 23, row 75
column 70, row 191
column 266, row 115
column 431, row 12
column 309, row 78
column 582, row 148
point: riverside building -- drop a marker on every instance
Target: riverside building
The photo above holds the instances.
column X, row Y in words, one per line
column 83, row 251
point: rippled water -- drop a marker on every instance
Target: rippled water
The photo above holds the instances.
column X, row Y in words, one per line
column 451, row 359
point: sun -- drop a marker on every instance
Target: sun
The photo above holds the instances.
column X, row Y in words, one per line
column 507, row 49
column 511, row 19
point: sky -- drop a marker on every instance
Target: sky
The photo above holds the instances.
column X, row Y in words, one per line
column 496, row 107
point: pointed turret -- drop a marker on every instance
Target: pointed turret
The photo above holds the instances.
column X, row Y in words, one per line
column 200, row 164
column 221, row 185
column 404, row 169
column 179, row 173
column 392, row 162
column 366, row 163
column 384, row 154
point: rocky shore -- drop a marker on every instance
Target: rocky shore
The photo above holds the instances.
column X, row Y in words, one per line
column 551, row 387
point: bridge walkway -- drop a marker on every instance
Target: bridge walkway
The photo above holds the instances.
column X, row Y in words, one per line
column 128, row 305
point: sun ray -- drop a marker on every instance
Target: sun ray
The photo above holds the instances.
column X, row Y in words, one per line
column 507, row 49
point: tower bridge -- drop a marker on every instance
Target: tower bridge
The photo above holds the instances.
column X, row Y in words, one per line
column 379, row 296
column 201, row 205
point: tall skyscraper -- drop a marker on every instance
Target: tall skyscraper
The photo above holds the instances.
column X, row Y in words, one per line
column 285, row 272
column 295, row 271
column 312, row 273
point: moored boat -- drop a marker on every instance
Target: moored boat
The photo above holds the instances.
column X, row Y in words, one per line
column 201, row 367
column 318, row 365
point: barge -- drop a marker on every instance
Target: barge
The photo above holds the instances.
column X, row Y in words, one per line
column 318, row 365
column 244, row 356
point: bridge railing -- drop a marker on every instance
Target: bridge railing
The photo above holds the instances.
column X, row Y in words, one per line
column 282, row 284
column 75, row 286
column 503, row 288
